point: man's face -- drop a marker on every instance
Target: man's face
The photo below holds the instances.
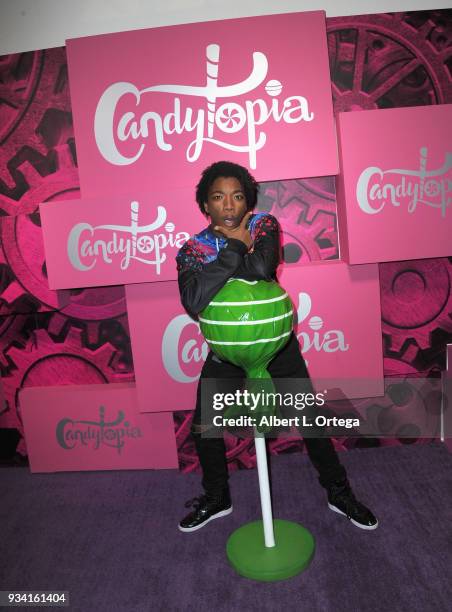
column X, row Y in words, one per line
column 226, row 203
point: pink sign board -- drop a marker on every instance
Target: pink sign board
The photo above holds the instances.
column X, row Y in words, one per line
column 167, row 345
column 339, row 330
column 394, row 193
column 156, row 106
column 339, row 324
column 118, row 240
column 94, row 427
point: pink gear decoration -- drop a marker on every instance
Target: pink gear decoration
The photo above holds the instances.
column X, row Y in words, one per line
column 22, row 249
column 33, row 82
column 389, row 60
column 303, row 239
column 10, row 332
column 22, row 253
column 416, row 299
column 91, row 306
column 62, row 184
column 20, row 73
column 311, row 196
column 43, row 362
column 394, row 367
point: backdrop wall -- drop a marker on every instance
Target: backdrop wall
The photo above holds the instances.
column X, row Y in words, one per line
column 85, row 339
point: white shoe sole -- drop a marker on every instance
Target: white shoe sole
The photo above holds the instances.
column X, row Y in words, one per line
column 214, row 516
column 360, row 525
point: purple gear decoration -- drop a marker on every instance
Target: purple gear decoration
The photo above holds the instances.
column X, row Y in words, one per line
column 390, row 60
column 33, row 83
column 44, row 362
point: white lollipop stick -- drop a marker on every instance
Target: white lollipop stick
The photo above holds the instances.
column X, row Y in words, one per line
column 264, row 488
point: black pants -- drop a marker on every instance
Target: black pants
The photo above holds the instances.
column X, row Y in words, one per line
column 288, row 363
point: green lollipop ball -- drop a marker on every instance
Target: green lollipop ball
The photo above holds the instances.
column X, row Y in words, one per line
column 247, row 323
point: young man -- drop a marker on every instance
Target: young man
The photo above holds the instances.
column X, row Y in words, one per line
column 240, row 244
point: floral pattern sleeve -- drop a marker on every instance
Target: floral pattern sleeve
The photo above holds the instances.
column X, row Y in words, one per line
column 189, row 258
column 263, row 259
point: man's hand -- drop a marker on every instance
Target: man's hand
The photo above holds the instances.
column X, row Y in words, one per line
column 240, row 232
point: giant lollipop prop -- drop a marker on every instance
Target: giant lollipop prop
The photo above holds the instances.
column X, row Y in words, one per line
column 247, row 323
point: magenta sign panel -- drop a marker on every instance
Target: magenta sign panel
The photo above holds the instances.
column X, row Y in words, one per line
column 394, row 194
column 156, row 106
column 167, row 345
column 340, row 343
column 94, row 427
column 117, row 240
column 338, row 323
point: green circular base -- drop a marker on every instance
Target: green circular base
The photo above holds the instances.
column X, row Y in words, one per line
column 249, row 556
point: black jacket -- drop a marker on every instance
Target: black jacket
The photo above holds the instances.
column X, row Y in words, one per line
column 199, row 282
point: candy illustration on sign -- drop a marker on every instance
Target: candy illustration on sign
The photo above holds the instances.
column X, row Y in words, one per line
column 229, row 118
column 131, row 241
column 376, row 188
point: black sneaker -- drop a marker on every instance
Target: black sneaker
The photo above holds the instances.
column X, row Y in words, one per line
column 342, row 500
column 207, row 508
